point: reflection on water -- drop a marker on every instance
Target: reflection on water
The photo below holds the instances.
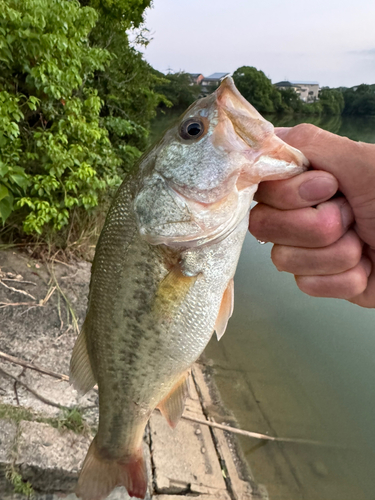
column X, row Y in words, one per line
column 357, row 128
column 296, row 366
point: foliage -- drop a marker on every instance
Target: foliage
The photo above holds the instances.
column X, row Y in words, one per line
column 73, row 420
column 331, row 101
column 291, row 100
column 126, row 86
column 76, row 100
column 20, row 486
column 178, row 89
column 54, row 154
column 360, row 100
column 258, row 89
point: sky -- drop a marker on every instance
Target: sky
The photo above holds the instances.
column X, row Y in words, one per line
column 329, row 41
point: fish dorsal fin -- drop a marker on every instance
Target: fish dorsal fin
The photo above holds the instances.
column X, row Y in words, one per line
column 172, row 406
column 226, row 310
column 81, row 374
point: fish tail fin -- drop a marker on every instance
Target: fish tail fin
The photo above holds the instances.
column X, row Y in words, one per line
column 99, row 476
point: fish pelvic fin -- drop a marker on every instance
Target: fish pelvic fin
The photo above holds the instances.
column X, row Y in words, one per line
column 81, row 374
column 172, row 406
column 99, row 476
column 226, row 310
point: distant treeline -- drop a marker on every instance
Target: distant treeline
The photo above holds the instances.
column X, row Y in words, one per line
column 266, row 98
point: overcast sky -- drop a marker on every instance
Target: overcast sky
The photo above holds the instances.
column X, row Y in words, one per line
column 331, row 41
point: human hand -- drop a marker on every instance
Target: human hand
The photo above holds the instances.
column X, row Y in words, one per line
column 327, row 243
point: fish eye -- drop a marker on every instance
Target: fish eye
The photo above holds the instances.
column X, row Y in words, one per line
column 192, row 128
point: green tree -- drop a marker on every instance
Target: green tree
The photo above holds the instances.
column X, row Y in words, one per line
column 332, row 101
column 126, row 86
column 291, row 100
column 178, row 89
column 76, row 99
column 258, row 89
column 54, row 154
column 360, row 100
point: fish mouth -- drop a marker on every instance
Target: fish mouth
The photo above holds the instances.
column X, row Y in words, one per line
column 269, row 157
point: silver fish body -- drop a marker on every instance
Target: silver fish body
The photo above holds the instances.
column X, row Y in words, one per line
column 162, row 278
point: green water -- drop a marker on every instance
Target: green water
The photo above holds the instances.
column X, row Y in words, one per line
column 300, row 367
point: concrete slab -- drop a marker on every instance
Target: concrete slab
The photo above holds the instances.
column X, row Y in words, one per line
column 48, row 458
column 183, row 497
column 8, row 433
column 240, row 483
column 185, row 458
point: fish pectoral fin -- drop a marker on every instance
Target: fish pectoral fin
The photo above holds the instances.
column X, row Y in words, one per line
column 99, row 476
column 226, row 310
column 172, row 406
column 81, row 374
column 172, row 292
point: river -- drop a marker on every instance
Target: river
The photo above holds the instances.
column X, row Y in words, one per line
column 300, row 367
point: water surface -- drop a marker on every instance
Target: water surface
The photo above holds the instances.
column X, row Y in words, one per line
column 301, row 367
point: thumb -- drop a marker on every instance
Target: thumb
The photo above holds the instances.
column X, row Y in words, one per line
column 352, row 163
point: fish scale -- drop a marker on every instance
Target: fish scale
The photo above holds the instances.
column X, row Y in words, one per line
column 162, row 277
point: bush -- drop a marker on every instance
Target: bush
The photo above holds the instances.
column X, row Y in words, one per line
column 76, row 100
column 54, row 153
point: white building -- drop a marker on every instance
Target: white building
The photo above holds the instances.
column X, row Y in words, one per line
column 212, row 81
column 307, row 91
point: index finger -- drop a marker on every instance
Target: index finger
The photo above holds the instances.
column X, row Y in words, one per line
column 304, row 190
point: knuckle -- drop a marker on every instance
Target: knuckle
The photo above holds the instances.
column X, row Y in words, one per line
column 358, row 283
column 280, row 257
column 353, row 253
column 326, row 228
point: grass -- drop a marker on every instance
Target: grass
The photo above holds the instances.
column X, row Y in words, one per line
column 19, row 485
column 71, row 418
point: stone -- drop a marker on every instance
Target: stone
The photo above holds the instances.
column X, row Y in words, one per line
column 185, row 459
column 49, row 458
column 8, row 433
column 241, row 489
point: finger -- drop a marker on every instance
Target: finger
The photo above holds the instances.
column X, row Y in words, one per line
column 340, row 286
column 337, row 258
column 305, row 227
column 305, row 190
column 367, row 298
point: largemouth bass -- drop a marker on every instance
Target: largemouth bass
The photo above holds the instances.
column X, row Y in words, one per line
column 162, row 277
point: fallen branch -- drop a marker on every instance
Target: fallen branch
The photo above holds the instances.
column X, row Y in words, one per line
column 25, row 364
column 18, row 281
column 255, row 435
column 27, row 387
column 17, row 290
column 226, row 428
column 3, row 305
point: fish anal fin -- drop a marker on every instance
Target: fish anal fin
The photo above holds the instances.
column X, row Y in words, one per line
column 225, row 311
column 81, row 374
column 172, row 406
column 99, row 476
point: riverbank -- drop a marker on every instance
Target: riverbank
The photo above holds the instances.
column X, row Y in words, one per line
column 42, row 445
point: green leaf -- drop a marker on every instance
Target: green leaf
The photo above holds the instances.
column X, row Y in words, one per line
column 3, row 191
column 4, row 169
column 20, row 180
column 6, row 208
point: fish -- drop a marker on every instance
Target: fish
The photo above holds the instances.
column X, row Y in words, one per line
column 162, row 276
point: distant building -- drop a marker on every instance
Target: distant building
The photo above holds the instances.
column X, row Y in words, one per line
column 211, row 81
column 307, row 91
column 196, row 78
